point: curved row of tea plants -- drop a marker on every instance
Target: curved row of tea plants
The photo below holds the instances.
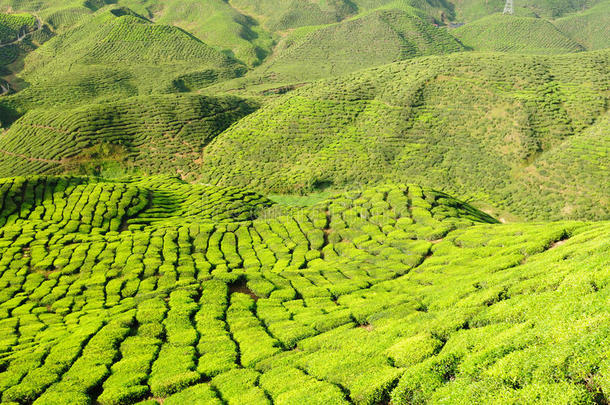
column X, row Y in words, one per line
column 163, row 134
column 395, row 291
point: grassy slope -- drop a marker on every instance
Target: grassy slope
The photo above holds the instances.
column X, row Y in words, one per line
column 114, row 292
column 147, row 134
column 374, row 39
column 215, row 22
column 470, row 10
column 59, row 14
column 294, row 13
column 505, row 33
column 12, row 25
column 113, row 54
column 590, row 28
column 470, row 123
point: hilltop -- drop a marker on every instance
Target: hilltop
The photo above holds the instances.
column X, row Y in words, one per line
column 154, row 289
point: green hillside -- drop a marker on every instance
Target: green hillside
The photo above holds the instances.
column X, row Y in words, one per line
column 114, row 54
column 116, row 292
column 507, row 33
column 375, row 39
column 216, row 22
column 59, row 14
column 578, row 168
column 238, row 202
column 147, row 134
column 294, row 13
column 470, row 123
column 12, row 26
column 590, row 28
column 470, row 10
column 22, row 33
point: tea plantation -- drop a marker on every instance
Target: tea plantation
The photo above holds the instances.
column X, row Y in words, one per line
column 375, row 39
column 227, row 202
column 114, row 54
column 473, row 124
column 161, row 134
column 157, row 290
column 590, row 28
column 507, row 33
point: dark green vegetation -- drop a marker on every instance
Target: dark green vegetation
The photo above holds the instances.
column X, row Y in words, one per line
column 19, row 34
column 475, row 124
column 13, row 26
column 113, row 292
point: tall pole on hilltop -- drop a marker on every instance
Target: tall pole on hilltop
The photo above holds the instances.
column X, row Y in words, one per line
column 508, row 8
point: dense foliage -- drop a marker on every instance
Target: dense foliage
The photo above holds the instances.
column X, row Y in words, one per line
column 114, row 292
column 507, row 33
column 470, row 123
column 234, row 202
column 149, row 134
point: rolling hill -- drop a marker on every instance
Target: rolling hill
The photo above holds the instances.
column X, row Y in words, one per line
column 470, row 123
column 374, row 39
column 507, row 33
column 227, row 202
column 162, row 134
column 114, row 54
column 590, row 28
column 216, row 22
column 160, row 291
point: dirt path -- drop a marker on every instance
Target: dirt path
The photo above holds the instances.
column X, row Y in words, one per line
column 21, row 37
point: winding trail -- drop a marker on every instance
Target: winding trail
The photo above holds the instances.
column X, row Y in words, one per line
column 21, row 37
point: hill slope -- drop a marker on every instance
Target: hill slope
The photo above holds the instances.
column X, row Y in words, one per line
column 470, row 10
column 150, row 134
column 115, row 53
column 590, row 28
column 216, row 22
column 464, row 121
column 114, row 292
column 507, row 33
column 375, row 39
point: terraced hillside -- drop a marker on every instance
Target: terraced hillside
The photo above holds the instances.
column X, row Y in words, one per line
column 470, row 10
column 162, row 134
column 20, row 33
column 471, row 123
column 115, row 54
column 507, row 33
column 157, row 290
column 294, row 13
column 375, row 39
column 13, row 26
column 590, row 28
column 59, row 14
